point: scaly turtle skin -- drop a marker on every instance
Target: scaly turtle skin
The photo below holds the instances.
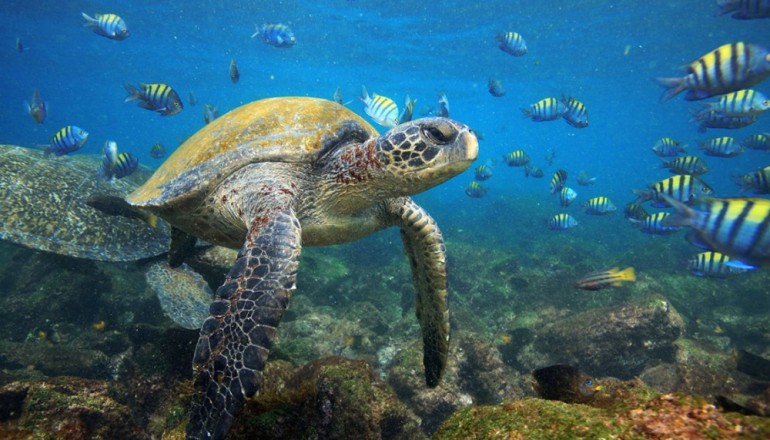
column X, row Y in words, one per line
column 43, row 205
column 277, row 174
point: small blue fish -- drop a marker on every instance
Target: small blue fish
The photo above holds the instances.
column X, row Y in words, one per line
column 482, row 173
column 107, row 25
column 535, row 172
column 511, row 43
column 157, row 151
column 740, row 103
column 276, row 34
column 714, row 119
column 36, row 107
column 496, row 88
column 692, row 165
column 547, row 109
column 668, row 147
column 561, row 222
column 408, row 112
column 760, row 141
column 682, row 187
column 157, row 97
column 585, row 179
column 475, row 190
column 567, row 195
column 67, row 140
column 210, row 113
column 443, row 105
column 380, row 108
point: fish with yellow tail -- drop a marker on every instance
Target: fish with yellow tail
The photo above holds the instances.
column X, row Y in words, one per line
column 606, row 278
column 728, row 68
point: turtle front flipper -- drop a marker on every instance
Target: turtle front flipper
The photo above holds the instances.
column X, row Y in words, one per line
column 236, row 338
column 424, row 246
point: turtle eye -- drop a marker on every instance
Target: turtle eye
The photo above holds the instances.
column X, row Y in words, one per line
column 439, row 133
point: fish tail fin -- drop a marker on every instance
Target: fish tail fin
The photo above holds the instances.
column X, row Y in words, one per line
column 152, row 220
column 642, row 195
column 90, row 21
column 133, row 92
column 673, row 85
column 255, row 34
column 526, row 113
column 628, row 274
column 683, row 215
column 364, row 95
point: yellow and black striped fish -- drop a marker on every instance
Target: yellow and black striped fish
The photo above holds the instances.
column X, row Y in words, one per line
column 600, row 205
column 561, row 222
column 745, row 9
column 157, row 97
column 668, row 147
column 606, row 278
column 726, row 69
column 759, row 141
column 692, row 165
column 724, row 146
column 67, row 140
column 558, row 180
column 107, row 25
column 715, row 265
column 518, row 158
column 682, row 187
column 634, row 211
column 482, row 172
column 475, row 190
column 740, row 103
column 738, row 227
column 653, row 224
column 380, row 108
column 758, row 180
column 512, row 43
column 547, row 109
column 576, row 114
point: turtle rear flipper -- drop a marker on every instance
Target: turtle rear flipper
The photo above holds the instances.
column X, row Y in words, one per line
column 236, row 338
column 424, row 246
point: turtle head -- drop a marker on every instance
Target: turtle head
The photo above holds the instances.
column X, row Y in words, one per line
column 426, row 152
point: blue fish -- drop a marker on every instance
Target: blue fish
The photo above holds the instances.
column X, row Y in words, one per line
column 482, row 173
column 107, row 25
column 547, row 109
column 716, row 265
column 67, row 140
column 745, row 9
column 158, row 151
column 275, row 34
column 576, row 114
column 653, row 224
column 724, row 146
column 475, row 190
column 561, row 222
column 158, row 97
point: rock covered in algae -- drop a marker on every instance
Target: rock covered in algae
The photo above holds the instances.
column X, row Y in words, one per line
column 627, row 410
column 617, row 341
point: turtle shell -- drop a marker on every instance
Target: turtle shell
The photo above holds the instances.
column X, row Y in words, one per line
column 43, row 206
column 286, row 129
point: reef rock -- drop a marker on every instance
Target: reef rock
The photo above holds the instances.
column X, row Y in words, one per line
column 619, row 341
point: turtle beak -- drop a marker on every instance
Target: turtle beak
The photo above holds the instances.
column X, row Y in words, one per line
column 472, row 145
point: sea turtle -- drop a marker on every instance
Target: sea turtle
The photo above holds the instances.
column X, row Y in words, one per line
column 43, row 205
column 274, row 175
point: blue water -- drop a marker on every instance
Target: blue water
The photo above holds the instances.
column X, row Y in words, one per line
column 604, row 53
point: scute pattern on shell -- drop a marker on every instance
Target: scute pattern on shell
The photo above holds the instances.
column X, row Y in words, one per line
column 286, row 129
column 42, row 206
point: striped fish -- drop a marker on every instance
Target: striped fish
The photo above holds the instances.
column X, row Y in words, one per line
column 653, row 224
column 558, row 180
column 692, row 165
column 599, row 206
column 745, row 9
column 740, row 103
column 606, row 278
column 738, row 227
column 758, row 180
column 759, row 141
column 109, row 157
column 547, row 109
column 518, row 158
column 561, row 222
column 567, row 195
column 475, row 190
column 125, row 165
column 682, row 187
column 408, row 112
column 67, row 140
column 724, row 146
column 107, row 25
column 157, row 97
column 511, row 43
column 634, row 211
column 482, row 173
column 535, row 172
column 380, row 108
column 668, row 147
column 726, row 69
column 576, row 114
column 716, row 265
column 712, row 119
